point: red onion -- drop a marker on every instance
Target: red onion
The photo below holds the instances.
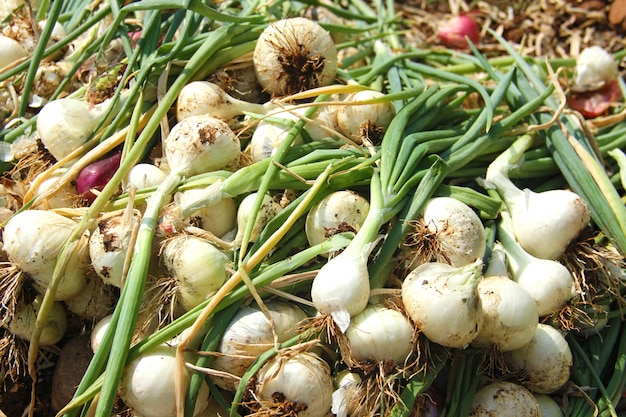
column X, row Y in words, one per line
column 96, row 175
column 453, row 32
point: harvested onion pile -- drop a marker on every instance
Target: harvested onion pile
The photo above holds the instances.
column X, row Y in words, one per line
column 251, row 210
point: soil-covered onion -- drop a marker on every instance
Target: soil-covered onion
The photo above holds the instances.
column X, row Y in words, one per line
column 294, row 55
column 504, row 399
column 300, row 384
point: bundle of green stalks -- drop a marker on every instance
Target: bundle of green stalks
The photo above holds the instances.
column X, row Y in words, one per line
column 290, row 208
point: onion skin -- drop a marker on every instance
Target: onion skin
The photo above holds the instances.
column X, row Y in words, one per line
column 96, row 176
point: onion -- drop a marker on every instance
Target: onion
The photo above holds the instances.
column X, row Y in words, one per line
column 64, row 124
column 94, row 301
column 456, row 30
column 457, row 229
column 549, row 407
column 341, row 287
column 294, row 55
column 296, row 384
column 250, row 333
column 204, row 97
column 272, row 131
column 504, row 399
column 109, row 244
column 595, row 68
column 268, row 210
column 200, row 144
column 34, row 238
column 443, row 302
column 380, row 334
column 340, row 211
column 545, row 360
column 22, row 322
column 198, row 267
column 96, row 175
column 218, row 218
column 145, row 176
column 543, row 223
column 65, row 197
column 99, row 330
column 148, row 384
column 548, row 282
column 359, row 121
column 345, row 397
column 509, row 314
column 10, row 51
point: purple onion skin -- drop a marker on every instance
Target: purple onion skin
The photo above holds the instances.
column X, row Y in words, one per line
column 96, row 175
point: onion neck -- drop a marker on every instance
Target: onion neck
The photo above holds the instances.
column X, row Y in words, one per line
column 466, row 276
column 498, row 172
column 516, row 256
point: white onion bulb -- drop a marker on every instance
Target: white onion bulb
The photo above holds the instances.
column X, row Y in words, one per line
column 294, row 55
column 109, row 244
column 366, row 120
column 10, row 51
column 301, row 380
column 549, row 407
column 22, row 322
column 543, row 223
column 65, row 124
column 268, row 210
column 218, row 218
column 339, row 211
column 459, row 232
column 34, row 238
column 548, row 282
column 509, row 314
column 504, row 399
column 198, row 267
column 148, row 384
column 272, row 131
column 443, row 302
column 249, row 334
column 200, row 144
column 545, row 360
column 379, row 333
column 205, row 98
column 341, row 287
column 145, row 176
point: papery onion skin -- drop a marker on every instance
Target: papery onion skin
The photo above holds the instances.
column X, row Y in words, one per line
column 504, row 399
column 303, row 380
column 294, row 55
